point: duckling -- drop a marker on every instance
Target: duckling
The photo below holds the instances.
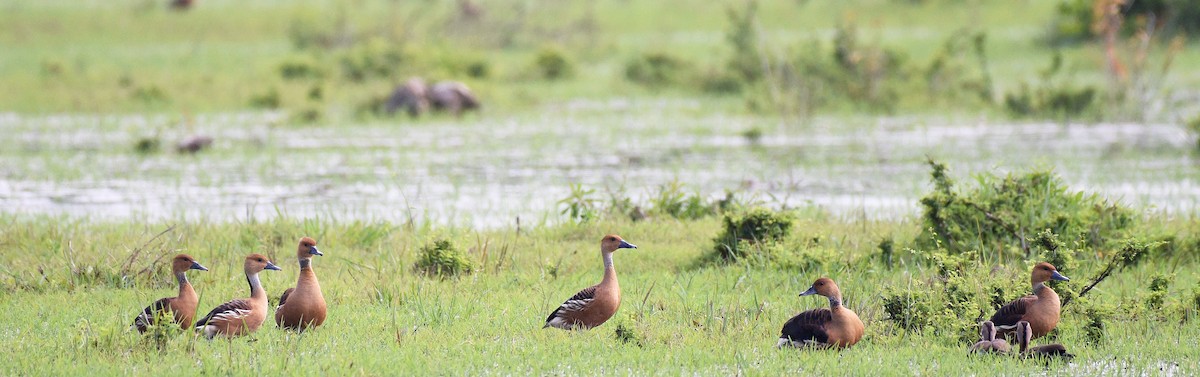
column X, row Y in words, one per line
column 1049, row 351
column 836, row 327
column 183, row 306
column 303, row 306
column 594, row 305
column 1041, row 309
column 240, row 316
column 987, row 340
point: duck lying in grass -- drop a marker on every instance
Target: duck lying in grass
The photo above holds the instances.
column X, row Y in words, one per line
column 987, row 340
column 1049, row 351
column 182, row 307
column 303, row 306
column 836, row 327
column 240, row 316
column 1041, row 309
column 594, row 305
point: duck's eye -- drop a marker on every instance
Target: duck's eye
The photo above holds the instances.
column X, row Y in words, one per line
column 260, row 260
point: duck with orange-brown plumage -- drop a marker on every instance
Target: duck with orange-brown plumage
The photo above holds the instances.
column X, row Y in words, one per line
column 303, row 306
column 183, row 306
column 833, row 327
column 1041, row 309
column 594, row 305
column 240, row 316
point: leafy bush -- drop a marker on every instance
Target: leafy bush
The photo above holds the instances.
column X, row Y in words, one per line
column 754, row 233
column 672, row 201
column 1051, row 96
column 581, row 206
column 268, row 99
column 656, row 69
column 301, row 68
column 1000, row 213
column 375, row 58
column 443, row 259
column 552, row 64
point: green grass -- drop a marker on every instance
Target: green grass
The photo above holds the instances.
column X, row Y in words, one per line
column 386, row 319
column 91, row 57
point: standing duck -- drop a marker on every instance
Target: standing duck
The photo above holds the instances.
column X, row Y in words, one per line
column 303, row 306
column 241, row 316
column 836, row 327
column 1049, row 351
column 1041, row 309
column 594, row 305
column 182, row 306
column 987, row 340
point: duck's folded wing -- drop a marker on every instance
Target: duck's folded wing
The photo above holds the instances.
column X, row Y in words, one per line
column 808, row 327
column 149, row 315
column 228, row 311
column 283, row 298
column 573, row 305
column 1007, row 317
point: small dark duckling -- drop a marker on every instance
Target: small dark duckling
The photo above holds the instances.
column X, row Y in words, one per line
column 1046, row 352
column 987, row 340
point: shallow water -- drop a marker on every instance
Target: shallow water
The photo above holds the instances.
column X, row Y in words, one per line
column 485, row 171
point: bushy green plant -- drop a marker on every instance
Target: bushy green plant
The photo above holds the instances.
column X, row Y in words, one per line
column 672, row 201
column 746, row 61
column 375, row 58
column 1051, row 96
column 268, row 99
column 552, row 64
column 1074, row 20
column 1159, row 286
column 442, row 258
column 656, row 69
column 581, row 205
column 301, row 68
column 755, row 230
column 1001, row 213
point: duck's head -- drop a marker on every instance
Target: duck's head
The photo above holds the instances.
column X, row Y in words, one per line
column 612, row 242
column 184, row 262
column 824, row 287
column 1043, row 272
column 987, row 331
column 255, row 263
column 1024, row 333
column 307, row 248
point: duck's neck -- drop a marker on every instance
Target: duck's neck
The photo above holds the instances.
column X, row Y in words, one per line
column 305, row 263
column 185, row 287
column 835, row 302
column 610, row 272
column 256, row 289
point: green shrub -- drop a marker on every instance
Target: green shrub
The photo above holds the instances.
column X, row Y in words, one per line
column 754, row 233
column 375, row 58
column 746, row 61
column 552, row 64
column 301, row 68
column 268, row 99
column 1159, row 287
column 656, row 70
column 1052, row 96
column 581, row 205
column 672, row 201
column 1000, row 213
column 443, row 259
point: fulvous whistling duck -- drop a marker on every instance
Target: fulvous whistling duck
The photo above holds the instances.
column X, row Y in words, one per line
column 182, row 306
column 987, row 340
column 303, row 306
column 836, row 326
column 1049, row 351
column 241, row 316
column 1041, row 309
column 594, row 305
